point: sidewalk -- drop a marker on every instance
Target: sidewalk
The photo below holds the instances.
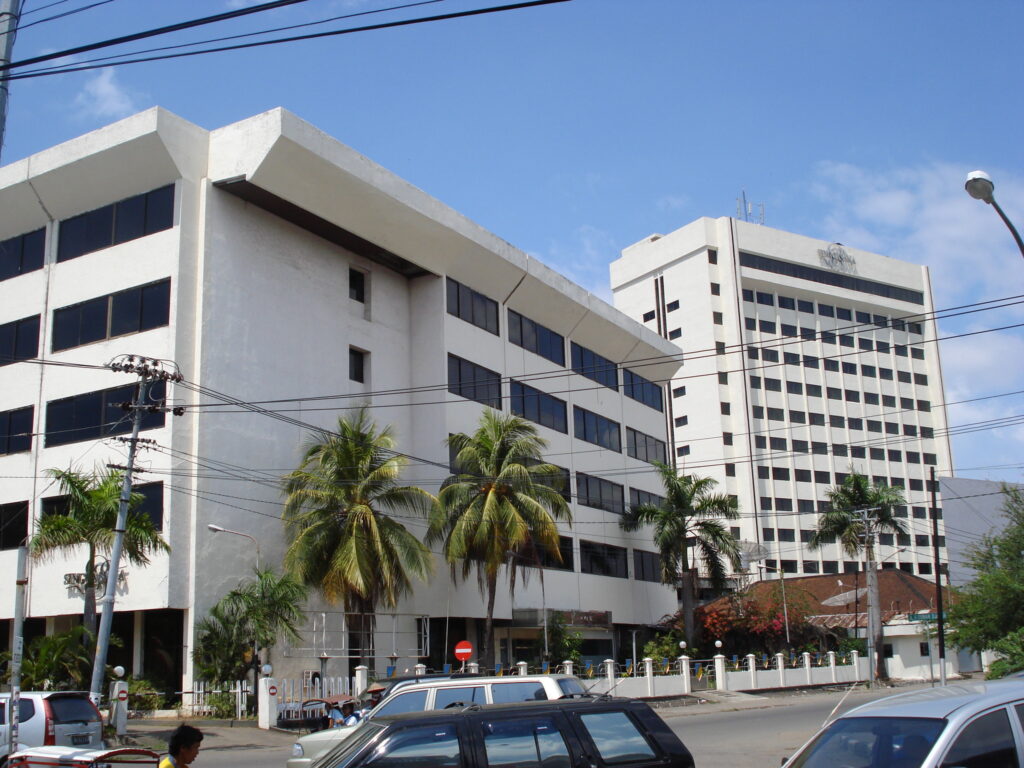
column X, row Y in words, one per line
column 218, row 735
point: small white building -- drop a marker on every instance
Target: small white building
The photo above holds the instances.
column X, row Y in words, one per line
column 290, row 278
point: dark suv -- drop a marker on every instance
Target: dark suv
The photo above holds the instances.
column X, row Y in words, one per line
column 590, row 732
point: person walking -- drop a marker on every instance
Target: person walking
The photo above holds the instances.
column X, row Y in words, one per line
column 182, row 747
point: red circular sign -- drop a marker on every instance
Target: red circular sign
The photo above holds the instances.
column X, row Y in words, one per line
column 463, row 650
column 272, row 690
column 122, row 695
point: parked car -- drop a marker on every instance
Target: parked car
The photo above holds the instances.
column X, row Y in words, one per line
column 589, row 732
column 52, row 718
column 970, row 725
column 424, row 694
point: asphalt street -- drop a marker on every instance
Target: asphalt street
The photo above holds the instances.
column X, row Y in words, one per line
column 749, row 734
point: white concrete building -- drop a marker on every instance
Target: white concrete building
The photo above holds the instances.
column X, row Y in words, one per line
column 278, row 266
column 803, row 361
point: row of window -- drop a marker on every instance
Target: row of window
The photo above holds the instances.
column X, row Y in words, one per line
column 818, row 448
column 771, row 355
column 885, row 539
column 848, row 340
column 841, row 422
column 14, row 515
column 600, row 559
column 823, row 477
column 816, row 390
column 832, row 566
column 828, row 310
column 476, row 308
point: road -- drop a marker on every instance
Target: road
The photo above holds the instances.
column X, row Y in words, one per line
column 719, row 735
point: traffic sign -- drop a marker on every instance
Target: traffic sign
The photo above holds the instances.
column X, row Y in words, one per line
column 122, row 695
column 272, row 690
column 463, row 650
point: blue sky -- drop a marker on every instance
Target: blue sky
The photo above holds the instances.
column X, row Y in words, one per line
column 575, row 129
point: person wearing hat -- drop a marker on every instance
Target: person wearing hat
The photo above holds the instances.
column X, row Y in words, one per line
column 376, row 690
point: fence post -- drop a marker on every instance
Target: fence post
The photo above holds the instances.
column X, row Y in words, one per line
column 362, row 678
column 649, row 674
column 780, row 663
column 473, row 667
column 752, row 669
column 521, row 666
column 684, row 672
column 266, row 694
column 119, row 707
column 609, row 672
column 720, row 680
column 832, row 666
column 420, row 670
column 568, row 666
column 807, row 666
column 855, row 660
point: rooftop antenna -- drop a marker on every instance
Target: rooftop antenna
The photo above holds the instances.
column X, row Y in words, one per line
column 745, row 210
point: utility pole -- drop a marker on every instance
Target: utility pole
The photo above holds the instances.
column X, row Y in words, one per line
column 876, row 653
column 18, row 648
column 940, row 619
column 10, row 15
column 147, row 370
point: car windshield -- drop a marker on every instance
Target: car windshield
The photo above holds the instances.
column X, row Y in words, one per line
column 570, row 685
column 72, row 709
column 342, row 755
column 872, row 742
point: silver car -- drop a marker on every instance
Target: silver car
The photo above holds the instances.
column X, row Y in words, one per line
column 969, row 725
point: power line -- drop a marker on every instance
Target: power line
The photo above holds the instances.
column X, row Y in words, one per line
column 53, row 18
column 242, row 46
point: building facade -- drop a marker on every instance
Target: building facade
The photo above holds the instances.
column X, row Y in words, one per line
column 290, row 279
column 803, row 361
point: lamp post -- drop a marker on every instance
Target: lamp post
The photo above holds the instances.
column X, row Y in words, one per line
column 979, row 186
column 785, row 607
column 222, row 529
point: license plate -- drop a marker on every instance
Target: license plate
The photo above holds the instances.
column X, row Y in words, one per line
column 79, row 738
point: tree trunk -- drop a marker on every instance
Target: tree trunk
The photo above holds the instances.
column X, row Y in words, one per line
column 487, row 646
column 89, row 595
column 687, row 580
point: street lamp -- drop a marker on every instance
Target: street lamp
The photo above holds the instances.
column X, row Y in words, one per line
column 222, row 529
column 785, row 607
column 979, row 186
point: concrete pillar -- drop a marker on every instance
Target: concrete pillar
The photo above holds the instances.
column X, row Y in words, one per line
column 752, row 669
column 567, row 664
column 521, row 668
column 832, row 666
column 649, row 674
column 473, row 666
column 807, row 666
column 138, row 647
column 855, row 661
column 119, row 707
column 362, row 679
column 266, row 697
column 419, row 670
column 721, row 682
column 684, row 673
column 780, row 664
column 609, row 672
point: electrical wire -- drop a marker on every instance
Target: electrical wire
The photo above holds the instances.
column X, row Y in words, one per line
column 55, row 17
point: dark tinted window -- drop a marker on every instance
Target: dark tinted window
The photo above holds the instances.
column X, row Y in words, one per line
column 414, row 701
column 72, row 709
column 16, row 430
column 435, row 746
column 130, row 311
column 535, row 337
column 588, row 363
column 357, row 285
column 596, row 429
column 567, row 563
column 474, row 382
column 602, row 559
column 152, row 504
column 126, row 220
column 646, row 565
column 641, row 390
column 22, row 254
column 985, row 743
column 13, row 524
column 540, row 407
column 461, row 696
column 530, row 742
column 600, row 493
column 471, row 306
column 644, row 447
column 507, row 693
column 93, row 415
column 26, row 709
column 617, row 738
column 827, row 277
column 19, row 340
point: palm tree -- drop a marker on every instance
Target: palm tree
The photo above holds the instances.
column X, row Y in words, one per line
column 687, row 528
column 857, row 510
column 268, row 607
column 90, row 519
column 221, row 645
column 337, row 512
column 500, row 508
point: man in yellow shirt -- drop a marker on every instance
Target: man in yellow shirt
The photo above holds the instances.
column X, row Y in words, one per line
column 183, row 747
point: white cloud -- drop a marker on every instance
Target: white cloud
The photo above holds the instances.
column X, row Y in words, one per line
column 673, row 203
column 104, row 97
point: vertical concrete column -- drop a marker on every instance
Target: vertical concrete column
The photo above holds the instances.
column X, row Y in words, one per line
column 832, row 666
column 609, row 672
column 752, row 669
column 684, row 673
column 780, row 664
column 567, row 664
column 362, row 679
column 855, row 661
column 266, row 698
column 119, row 707
column 807, row 666
column 473, row 666
column 720, row 680
column 649, row 674
column 419, row 670
column 521, row 667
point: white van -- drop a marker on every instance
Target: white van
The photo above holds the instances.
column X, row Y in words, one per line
column 440, row 694
column 57, row 718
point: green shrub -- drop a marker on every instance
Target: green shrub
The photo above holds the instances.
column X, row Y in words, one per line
column 222, row 705
column 144, row 695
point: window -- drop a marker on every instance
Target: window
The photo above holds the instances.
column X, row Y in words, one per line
column 648, row 316
column 803, row 475
column 811, row 566
column 678, row 391
column 837, row 421
column 716, row 289
column 785, row 302
column 924, row 405
column 596, row 429
column 779, row 473
column 813, row 390
column 682, row 450
column 645, row 447
column 617, row 738
column 791, row 358
column 462, row 696
column 646, row 565
column 868, row 370
column 471, row 306
column 854, row 423
column 871, row 398
column 13, row 524
column 535, row 337
column 22, row 254
column 600, row 493
column 94, row 415
column 748, row 295
column 892, row 428
column 930, row 458
column 810, row 361
column 834, row 393
column 903, row 376
column 641, row 390
column 357, row 285
column 920, row 379
column 638, row 497
column 465, row 379
column 152, row 504
column 596, row 368
column 538, row 407
column 805, row 306
column 863, row 317
column 916, row 353
column 839, row 449
column 927, row 432
column 794, row 388
column 730, row 470
column 436, row 746
column 828, row 277
column 725, row 408
column 117, row 314
column 548, row 560
column 986, row 741
column 755, row 382
column 787, row 534
column 531, row 742
column 808, row 334
column 819, row 449
column 776, row 414
column 603, row 559
column 675, row 333
column 19, row 340
column 766, row 326
column 117, row 223
column 885, row 374
column 888, row 401
column 787, row 330
column 414, row 701
column 877, row 454
column 845, row 340
column 16, row 430
column 852, row 396
column 765, row 298
column 784, row 505
column 866, row 344
column 822, row 477
column 723, row 377
column 357, row 370
column 773, row 385
column 717, row 318
column 850, row 368
column 672, row 306
column 681, row 421
column 778, row 444
column 770, row 355
column 901, row 350
column 750, row 323
column 805, row 507
column 719, row 347
column 712, row 256
column 828, row 337
column 768, row 534
column 798, row 417
column 826, row 310
column 727, row 438
column 817, row 419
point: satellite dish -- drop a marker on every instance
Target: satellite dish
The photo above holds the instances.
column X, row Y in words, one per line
column 751, row 552
column 846, row 598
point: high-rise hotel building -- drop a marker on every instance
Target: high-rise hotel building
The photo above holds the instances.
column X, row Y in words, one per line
column 803, row 361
